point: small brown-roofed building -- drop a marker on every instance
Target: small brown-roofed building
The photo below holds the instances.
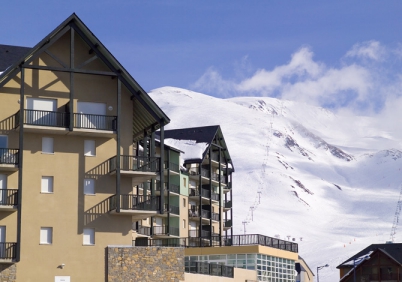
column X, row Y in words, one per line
column 377, row 262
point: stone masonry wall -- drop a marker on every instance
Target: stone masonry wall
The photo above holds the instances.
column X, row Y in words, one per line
column 8, row 272
column 145, row 264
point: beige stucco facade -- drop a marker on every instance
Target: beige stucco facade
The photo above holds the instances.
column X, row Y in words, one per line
column 66, row 209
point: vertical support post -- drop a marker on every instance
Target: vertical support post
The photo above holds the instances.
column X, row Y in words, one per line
column 118, row 145
column 210, row 193
column 221, row 222
column 146, row 158
column 71, row 104
column 152, row 154
column 20, row 163
column 200, row 199
column 162, row 171
column 167, row 187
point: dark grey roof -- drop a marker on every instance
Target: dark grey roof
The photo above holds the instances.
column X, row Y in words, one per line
column 10, row 54
column 393, row 250
column 204, row 134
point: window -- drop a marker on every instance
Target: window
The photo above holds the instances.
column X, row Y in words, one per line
column 47, row 145
column 184, row 202
column 3, row 141
column 89, row 148
column 184, row 182
column 47, row 184
column 184, row 224
column 89, row 186
column 88, row 236
column 46, row 235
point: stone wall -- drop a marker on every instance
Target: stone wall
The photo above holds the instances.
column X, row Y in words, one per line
column 8, row 272
column 145, row 264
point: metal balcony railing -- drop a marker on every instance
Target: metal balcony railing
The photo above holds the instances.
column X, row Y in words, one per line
column 209, row 269
column 199, row 233
column 205, row 214
column 9, row 156
column 166, row 230
column 136, row 163
column 215, row 216
column 193, row 212
column 44, row 118
column 172, row 166
column 172, row 209
column 98, row 122
column 228, row 223
column 8, row 250
column 172, row 187
column 8, row 197
column 228, row 204
column 205, row 172
column 134, row 202
column 144, row 230
column 168, row 242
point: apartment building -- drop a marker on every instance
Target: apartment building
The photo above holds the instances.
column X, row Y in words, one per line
column 69, row 116
column 198, row 187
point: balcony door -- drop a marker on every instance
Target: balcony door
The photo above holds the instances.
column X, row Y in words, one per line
column 91, row 115
column 4, row 153
column 41, row 112
column 3, row 189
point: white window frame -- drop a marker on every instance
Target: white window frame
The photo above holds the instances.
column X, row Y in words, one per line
column 50, row 189
column 89, row 148
column 88, row 237
column 48, row 141
column 46, row 236
column 89, row 186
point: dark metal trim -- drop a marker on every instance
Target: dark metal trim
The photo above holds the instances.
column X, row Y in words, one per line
column 74, row 70
column 118, row 133
column 54, row 57
column 87, row 61
column 162, row 172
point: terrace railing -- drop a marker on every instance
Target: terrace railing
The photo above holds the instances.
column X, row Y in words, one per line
column 172, row 187
column 8, row 197
column 172, row 166
column 172, row 209
column 144, row 230
column 168, row 242
column 166, row 230
column 44, row 118
column 9, row 156
column 136, row 163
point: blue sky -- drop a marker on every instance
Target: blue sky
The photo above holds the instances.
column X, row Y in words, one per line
column 289, row 49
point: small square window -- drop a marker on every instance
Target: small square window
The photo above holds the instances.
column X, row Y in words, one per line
column 47, row 184
column 46, row 234
column 47, row 145
column 89, row 148
column 88, row 236
column 184, row 202
column 184, row 224
column 184, row 182
column 89, row 186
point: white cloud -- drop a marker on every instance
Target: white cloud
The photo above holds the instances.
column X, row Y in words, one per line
column 355, row 84
column 369, row 49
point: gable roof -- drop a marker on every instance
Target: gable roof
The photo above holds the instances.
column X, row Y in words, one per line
column 10, row 54
column 203, row 134
column 394, row 251
column 147, row 114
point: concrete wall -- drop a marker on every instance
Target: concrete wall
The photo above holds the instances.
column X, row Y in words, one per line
column 141, row 264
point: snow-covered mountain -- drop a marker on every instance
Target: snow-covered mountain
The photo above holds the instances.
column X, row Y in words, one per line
column 329, row 182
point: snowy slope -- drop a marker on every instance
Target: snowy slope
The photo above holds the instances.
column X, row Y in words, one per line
column 331, row 182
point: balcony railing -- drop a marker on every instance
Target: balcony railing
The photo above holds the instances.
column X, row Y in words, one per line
column 199, row 233
column 172, row 166
column 8, row 197
column 166, row 230
column 193, row 212
column 205, row 214
column 62, row 119
column 168, row 242
column 8, row 250
column 215, row 216
column 172, row 187
column 205, row 172
column 209, row 269
column 172, row 209
column 228, row 204
column 44, row 118
column 144, row 230
column 136, row 163
column 134, row 202
column 9, row 156
column 99, row 122
column 228, row 223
